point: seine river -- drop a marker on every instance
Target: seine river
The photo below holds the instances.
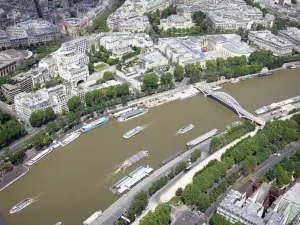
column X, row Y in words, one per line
column 73, row 182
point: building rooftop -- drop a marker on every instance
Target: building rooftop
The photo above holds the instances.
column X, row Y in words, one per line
column 292, row 32
column 10, row 87
column 153, row 57
column 268, row 36
column 73, row 21
column 21, row 77
column 239, row 47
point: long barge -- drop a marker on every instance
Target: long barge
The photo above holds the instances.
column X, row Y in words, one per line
column 132, row 114
column 127, row 182
column 39, row 156
column 202, row 138
column 277, row 105
column 134, row 159
column 70, row 138
column 117, row 114
column 170, row 158
column 94, row 124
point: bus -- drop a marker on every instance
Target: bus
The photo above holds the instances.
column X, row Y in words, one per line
column 125, row 219
column 188, row 168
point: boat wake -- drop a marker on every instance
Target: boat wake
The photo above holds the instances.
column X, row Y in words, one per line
column 146, row 125
column 35, row 199
column 108, row 176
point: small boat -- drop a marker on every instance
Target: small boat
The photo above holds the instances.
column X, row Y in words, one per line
column 21, row 205
column 234, row 80
column 294, row 66
column 265, row 74
column 185, row 129
column 215, row 88
column 133, row 132
column 59, row 223
column 187, row 96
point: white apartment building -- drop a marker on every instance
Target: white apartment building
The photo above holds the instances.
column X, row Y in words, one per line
column 39, row 75
column 72, row 66
column 176, row 21
column 266, row 40
column 292, row 34
column 119, row 39
column 136, row 24
column 26, row 103
column 56, row 98
column 75, row 74
column 50, row 64
column 129, row 17
column 231, row 16
column 78, row 45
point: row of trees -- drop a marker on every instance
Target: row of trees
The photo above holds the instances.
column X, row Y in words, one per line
column 250, row 152
column 230, row 135
column 203, row 180
column 275, row 136
column 99, row 24
column 218, row 219
column 10, row 129
column 160, row 216
column 151, row 82
column 42, row 117
column 284, row 172
column 231, row 67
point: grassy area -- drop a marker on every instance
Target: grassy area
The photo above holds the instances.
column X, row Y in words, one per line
column 242, row 181
column 100, row 66
column 176, row 201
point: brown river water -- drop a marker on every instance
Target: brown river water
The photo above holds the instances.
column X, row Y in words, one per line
column 73, row 182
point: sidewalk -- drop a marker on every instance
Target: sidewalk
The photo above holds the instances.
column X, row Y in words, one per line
column 13, row 176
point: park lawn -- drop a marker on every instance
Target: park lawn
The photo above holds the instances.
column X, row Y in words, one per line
column 100, row 66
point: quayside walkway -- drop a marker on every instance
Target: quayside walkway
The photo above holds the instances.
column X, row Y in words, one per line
column 231, row 102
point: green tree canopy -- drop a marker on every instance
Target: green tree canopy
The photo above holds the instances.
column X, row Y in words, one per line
column 74, row 104
column 108, row 76
column 178, row 73
column 150, row 82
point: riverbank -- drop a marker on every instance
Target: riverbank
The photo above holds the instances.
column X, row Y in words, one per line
column 168, row 192
column 13, row 176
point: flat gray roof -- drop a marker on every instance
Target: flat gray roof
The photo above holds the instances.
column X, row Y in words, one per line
column 202, row 138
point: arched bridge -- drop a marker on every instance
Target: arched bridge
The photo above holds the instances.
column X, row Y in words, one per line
column 231, row 102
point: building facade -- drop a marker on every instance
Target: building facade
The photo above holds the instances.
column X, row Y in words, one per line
column 72, row 26
column 266, row 40
column 292, row 34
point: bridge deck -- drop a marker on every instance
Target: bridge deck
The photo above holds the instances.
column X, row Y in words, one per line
column 231, row 102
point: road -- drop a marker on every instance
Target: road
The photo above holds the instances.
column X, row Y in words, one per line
column 113, row 213
column 6, row 108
